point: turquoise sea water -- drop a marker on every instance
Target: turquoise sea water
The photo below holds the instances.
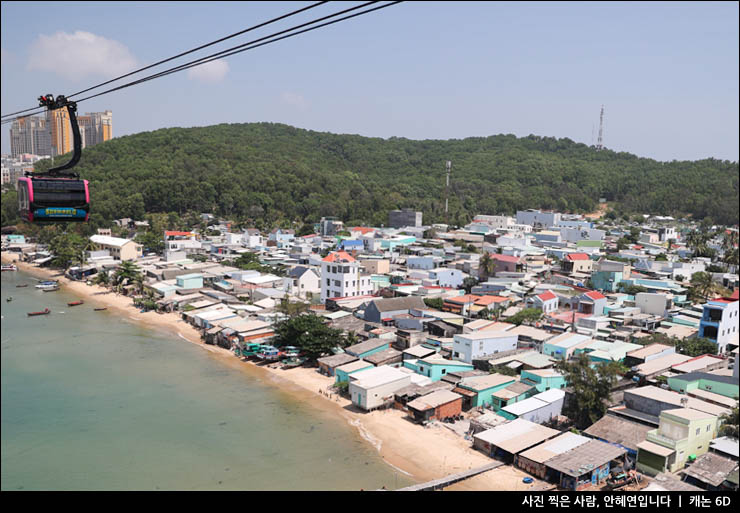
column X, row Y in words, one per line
column 93, row 401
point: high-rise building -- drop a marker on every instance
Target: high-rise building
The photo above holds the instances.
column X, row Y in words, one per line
column 51, row 135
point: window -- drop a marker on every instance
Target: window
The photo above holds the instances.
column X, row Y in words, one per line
column 698, row 430
column 708, row 427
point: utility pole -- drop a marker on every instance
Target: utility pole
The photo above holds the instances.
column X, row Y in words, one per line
column 447, row 194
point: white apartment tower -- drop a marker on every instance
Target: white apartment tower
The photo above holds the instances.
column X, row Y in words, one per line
column 341, row 277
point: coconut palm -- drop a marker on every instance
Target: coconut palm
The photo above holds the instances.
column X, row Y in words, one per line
column 486, row 267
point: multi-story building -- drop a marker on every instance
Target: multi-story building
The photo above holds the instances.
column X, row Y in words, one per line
column 405, row 217
column 51, row 135
column 682, row 432
column 537, row 218
column 341, row 276
column 719, row 322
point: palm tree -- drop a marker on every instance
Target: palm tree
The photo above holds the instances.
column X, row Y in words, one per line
column 126, row 274
column 702, row 283
column 486, row 267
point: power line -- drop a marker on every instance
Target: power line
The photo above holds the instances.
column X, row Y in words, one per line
column 273, row 20
column 234, row 50
column 240, row 48
column 204, row 46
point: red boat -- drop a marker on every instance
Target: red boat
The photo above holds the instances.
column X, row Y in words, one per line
column 75, row 303
column 44, row 312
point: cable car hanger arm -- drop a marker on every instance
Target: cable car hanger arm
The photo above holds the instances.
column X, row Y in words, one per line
column 61, row 101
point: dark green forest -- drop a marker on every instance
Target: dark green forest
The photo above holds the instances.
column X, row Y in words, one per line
column 270, row 174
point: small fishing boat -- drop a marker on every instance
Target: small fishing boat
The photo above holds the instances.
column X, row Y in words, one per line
column 21, row 286
column 49, row 284
column 268, row 353
column 9, row 267
column 51, row 289
column 100, row 309
column 75, row 303
column 45, row 311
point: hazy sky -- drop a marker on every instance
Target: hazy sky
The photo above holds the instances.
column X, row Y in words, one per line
column 667, row 73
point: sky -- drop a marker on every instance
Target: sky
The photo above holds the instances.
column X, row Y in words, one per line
column 666, row 73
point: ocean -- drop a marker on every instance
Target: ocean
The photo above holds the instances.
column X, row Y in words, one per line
column 94, row 401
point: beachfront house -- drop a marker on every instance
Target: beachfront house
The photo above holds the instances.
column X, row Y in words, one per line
column 533, row 460
column 369, row 347
column 479, row 390
column 505, row 441
column 439, row 405
column 343, row 372
column 585, row 466
column 373, row 388
column 564, row 346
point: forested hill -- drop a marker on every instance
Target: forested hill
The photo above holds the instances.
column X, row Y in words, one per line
column 267, row 172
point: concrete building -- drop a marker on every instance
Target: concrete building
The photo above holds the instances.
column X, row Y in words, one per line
column 405, row 217
column 537, row 219
column 374, row 388
column 539, row 408
column 341, row 277
column 682, row 432
column 719, row 322
column 120, row 249
column 472, row 346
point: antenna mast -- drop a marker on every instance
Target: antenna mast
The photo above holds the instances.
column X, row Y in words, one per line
column 600, row 140
column 447, row 193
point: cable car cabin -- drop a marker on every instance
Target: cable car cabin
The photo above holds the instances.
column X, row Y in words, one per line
column 53, row 200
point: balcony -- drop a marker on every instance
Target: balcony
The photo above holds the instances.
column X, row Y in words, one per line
column 655, row 437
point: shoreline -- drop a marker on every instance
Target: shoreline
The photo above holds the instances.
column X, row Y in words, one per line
column 421, row 453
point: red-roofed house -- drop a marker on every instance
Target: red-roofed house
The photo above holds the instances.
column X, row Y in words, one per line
column 577, row 263
column 358, row 231
column 547, row 302
column 507, row 263
column 592, row 302
column 341, row 276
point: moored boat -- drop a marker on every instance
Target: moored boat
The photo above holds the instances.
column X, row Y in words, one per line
column 75, row 303
column 21, row 286
column 48, row 284
column 45, row 311
column 9, row 267
column 51, row 289
column 100, row 309
column 268, row 353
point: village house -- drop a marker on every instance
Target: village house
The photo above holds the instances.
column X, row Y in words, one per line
column 683, row 432
column 472, row 346
column 341, row 277
column 380, row 310
column 577, row 263
column 120, row 249
column 478, row 390
column 533, row 460
column 439, row 405
column 539, row 408
column 585, row 466
column 374, row 388
column 506, row 441
column 547, row 302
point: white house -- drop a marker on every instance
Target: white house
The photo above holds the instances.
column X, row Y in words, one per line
column 470, row 346
column 301, row 281
column 547, row 302
column 372, row 388
column 341, row 277
column 445, row 277
column 653, row 304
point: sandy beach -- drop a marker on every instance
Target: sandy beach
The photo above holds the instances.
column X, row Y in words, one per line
column 423, row 453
